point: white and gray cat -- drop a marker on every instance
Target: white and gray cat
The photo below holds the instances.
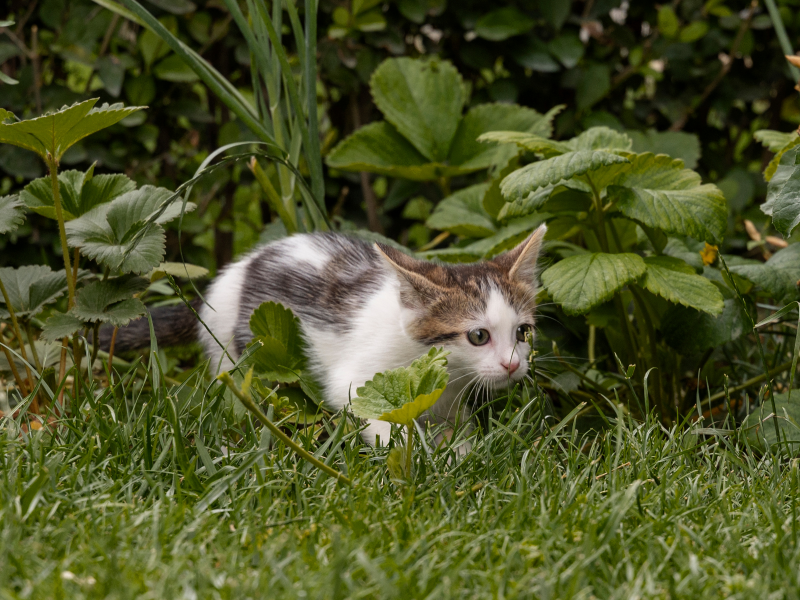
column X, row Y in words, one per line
column 366, row 308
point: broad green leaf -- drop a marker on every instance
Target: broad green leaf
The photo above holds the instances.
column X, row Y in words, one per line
column 503, row 23
column 174, row 69
column 786, row 204
column 470, row 154
column 80, row 192
column 30, row 288
column 593, row 85
column 462, row 214
column 55, row 132
column 12, row 213
column 110, row 301
column 176, row 269
column 60, row 325
column 555, row 170
column 581, row 282
column 379, row 148
column 402, row 395
column 691, row 331
column 423, row 100
column 506, row 237
column 783, row 171
column 119, row 235
column 778, row 158
column 679, row 248
column 678, row 144
column 774, row 140
column 674, row 280
column 280, row 347
column 658, row 192
column 567, row 48
column 8, row 80
column 527, row 205
column 760, row 424
column 778, row 276
column 600, row 138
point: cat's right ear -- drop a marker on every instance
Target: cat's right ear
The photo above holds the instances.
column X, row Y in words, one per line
column 416, row 287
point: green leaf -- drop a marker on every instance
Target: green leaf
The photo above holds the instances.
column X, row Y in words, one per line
column 176, row 269
column 55, row 132
column 786, row 204
column 119, row 234
column 423, row 100
column 470, row 154
column 555, row 170
column 674, row 280
column 110, row 301
column 658, row 192
column 567, row 48
column 80, row 192
column 774, row 140
column 677, row 144
column 778, row 276
column 503, row 23
column 402, row 395
column 379, row 148
column 594, row 84
column 462, row 213
column 760, row 425
column 527, row 141
column 581, row 282
column 527, row 205
column 280, row 348
column 7, row 80
column 60, row 325
column 174, row 69
column 30, row 288
column 778, row 159
column 12, row 214
column 783, row 171
column 668, row 23
column 600, row 138
column 693, row 32
column 691, row 331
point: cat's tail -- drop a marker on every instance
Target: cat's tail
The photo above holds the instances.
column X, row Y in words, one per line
column 174, row 325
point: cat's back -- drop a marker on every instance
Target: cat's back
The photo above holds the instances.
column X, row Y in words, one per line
column 324, row 278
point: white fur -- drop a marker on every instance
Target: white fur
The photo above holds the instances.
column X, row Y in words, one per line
column 301, row 248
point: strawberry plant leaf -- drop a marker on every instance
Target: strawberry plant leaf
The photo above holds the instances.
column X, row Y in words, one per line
column 774, row 140
column 30, row 288
column 554, row 170
column 110, row 301
column 402, row 395
column 280, row 349
column 12, row 213
column 600, row 138
column 674, row 280
column 463, row 214
column 581, row 282
column 786, row 204
column 691, row 331
column 423, row 100
column 778, row 276
column 59, row 326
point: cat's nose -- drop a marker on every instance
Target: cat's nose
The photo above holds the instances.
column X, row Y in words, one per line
column 510, row 367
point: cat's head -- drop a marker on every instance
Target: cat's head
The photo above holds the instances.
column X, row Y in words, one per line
column 483, row 313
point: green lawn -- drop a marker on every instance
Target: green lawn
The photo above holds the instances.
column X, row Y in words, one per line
column 126, row 501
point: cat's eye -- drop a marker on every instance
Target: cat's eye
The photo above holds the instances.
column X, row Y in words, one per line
column 523, row 331
column 478, row 337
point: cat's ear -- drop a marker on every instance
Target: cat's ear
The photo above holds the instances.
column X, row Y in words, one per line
column 415, row 276
column 520, row 262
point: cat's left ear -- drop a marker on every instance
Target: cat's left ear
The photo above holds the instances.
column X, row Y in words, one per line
column 520, row 263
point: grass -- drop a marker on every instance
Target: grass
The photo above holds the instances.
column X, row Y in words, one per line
column 156, row 491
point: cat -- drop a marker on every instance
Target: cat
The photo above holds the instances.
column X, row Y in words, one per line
column 367, row 308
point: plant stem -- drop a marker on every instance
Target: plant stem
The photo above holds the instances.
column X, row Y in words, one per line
column 34, row 352
column 248, row 403
column 52, row 165
column 409, row 448
column 752, row 381
column 17, row 331
column 780, row 31
column 14, row 371
column 651, row 335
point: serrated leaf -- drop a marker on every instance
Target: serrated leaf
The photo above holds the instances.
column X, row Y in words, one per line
column 691, row 331
column 80, row 192
column 774, row 140
column 470, row 154
column 12, row 215
column 779, row 276
column 506, row 237
column 30, row 288
column 786, row 204
column 55, row 132
column 554, row 170
column 110, row 301
column 462, row 213
column 783, row 172
column 526, row 141
column 600, row 138
column 119, row 235
column 678, row 144
column 60, row 325
column 280, row 354
column 658, row 192
column 402, row 395
column 677, row 282
column 423, row 100
column 778, row 158
column 530, row 204
column 581, row 282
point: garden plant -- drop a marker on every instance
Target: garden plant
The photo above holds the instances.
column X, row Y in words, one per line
column 652, row 449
